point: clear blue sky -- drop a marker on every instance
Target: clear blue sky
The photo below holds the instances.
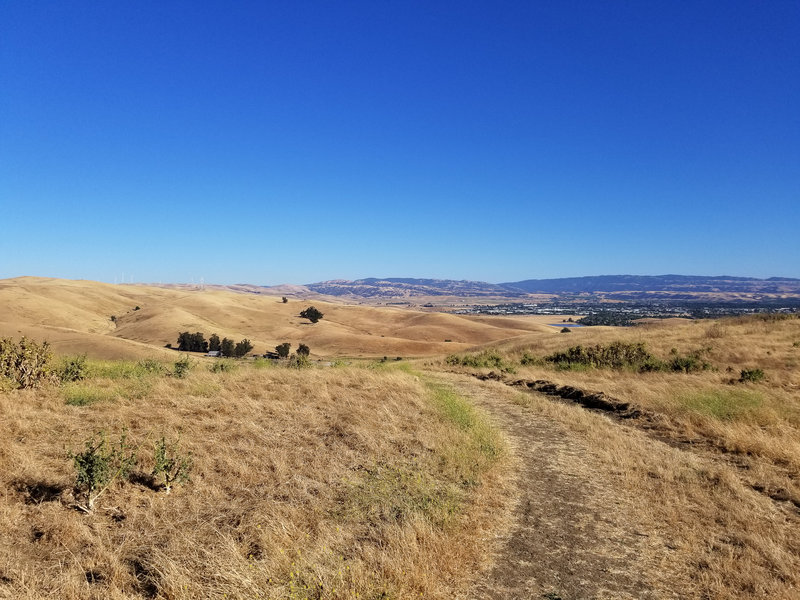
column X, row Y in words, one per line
column 271, row 142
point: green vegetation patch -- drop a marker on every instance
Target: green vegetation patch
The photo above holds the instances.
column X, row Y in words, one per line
column 489, row 359
column 79, row 394
column 124, row 369
column 625, row 355
column 723, row 404
column 481, row 445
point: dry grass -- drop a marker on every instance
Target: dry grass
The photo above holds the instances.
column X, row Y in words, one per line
column 75, row 317
column 334, row 483
column 708, row 533
column 761, row 418
column 713, row 470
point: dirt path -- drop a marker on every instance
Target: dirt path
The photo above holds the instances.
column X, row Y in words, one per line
column 570, row 537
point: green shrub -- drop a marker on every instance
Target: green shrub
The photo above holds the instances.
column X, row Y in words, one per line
column 151, row 366
column 26, row 364
column 688, row 364
column 751, row 375
column 298, row 361
column 625, row 355
column 223, row 366
column 617, row 355
column 98, row 466
column 170, row 465
column 566, row 330
column 73, row 369
column 83, row 395
column 490, row 359
column 182, row 367
column 283, row 349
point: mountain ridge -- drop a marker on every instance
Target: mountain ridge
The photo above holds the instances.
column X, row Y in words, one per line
column 371, row 287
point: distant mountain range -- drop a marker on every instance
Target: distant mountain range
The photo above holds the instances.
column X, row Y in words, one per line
column 602, row 284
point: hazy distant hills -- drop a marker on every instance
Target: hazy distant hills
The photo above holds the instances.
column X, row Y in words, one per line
column 610, row 284
column 394, row 287
column 657, row 283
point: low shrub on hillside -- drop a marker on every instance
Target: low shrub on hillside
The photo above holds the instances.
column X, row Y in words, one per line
column 73, row 369
column 26, row 363
column 298, row 361
column 751, row 375
column 182, row 367
column 99, row 465
column 223, row 366
column 617, row 355
column 625, row 355
column 489, row 359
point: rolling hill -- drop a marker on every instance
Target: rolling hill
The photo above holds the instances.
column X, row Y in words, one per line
column 75, row 316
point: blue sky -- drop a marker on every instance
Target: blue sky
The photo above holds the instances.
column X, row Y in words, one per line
column 274, row 142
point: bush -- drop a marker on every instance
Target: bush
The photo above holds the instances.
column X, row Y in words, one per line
column 624, row 355
column 98, row 466
column 182, row 367
column 283, row 349
column 169, row 465
column 26, row 363
column 751, row 375
column 616, row 355
column 151, row 366
column 312, row 314
column 490, row 359
column 566, row 330
column 73, row 369
column 303, row 350
column 298, row 361
column 222, row 366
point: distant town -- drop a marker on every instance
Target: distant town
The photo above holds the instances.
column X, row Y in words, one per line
column 627, row 313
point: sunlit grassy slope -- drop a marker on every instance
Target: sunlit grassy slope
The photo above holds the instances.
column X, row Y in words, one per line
column 75, row 316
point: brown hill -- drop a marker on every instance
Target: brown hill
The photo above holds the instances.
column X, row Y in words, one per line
column 75, row 316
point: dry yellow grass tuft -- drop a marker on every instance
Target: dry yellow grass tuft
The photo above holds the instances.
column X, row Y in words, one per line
column 320, row 483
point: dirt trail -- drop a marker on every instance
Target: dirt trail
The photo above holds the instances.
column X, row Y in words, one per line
column 570, row 537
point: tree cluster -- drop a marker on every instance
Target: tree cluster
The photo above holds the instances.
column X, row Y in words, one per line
column 196, row 342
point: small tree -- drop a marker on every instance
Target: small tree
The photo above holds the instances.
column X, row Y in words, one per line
column 284, row 299
column 312, row 314
column 242, row 348
column 98, row 466
column 303, row 350
column 226, row 347
column 283, row 349
column 170, row 465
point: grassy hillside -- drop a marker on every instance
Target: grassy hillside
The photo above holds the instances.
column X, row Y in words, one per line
column 75, row 316
column 334, row 483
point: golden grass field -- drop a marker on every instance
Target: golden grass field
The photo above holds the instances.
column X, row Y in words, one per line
column 75, row 317
column 396, row 479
